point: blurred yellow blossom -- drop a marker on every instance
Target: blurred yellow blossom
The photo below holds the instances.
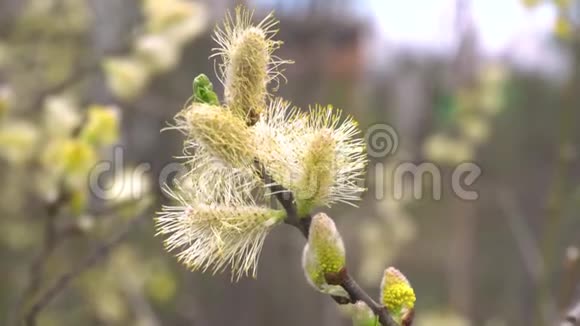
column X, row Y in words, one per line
column 189, row 28
column 77, row 156
column 493, row 75
column 102, row 126
column 71, row 159
column 475, row 129
column 126, row 76
column 18, row 140
column 161, row 14
column 61, row 115
column 531, row 3
column 563, row 28
column 563, row 4
column 161, row 286
column 158, row 51
column 110, row 306
column 493, row 79
column 445, row 149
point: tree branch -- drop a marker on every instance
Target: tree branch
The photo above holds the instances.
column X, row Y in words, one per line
column 65, row 279
column 52, row 237
column 356, row 293
column 344, row 279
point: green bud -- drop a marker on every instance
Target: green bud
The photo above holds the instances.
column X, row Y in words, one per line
column 315, row 275
column 326, row 244
column 324, row 255
column 361, row 314
column 203, row 91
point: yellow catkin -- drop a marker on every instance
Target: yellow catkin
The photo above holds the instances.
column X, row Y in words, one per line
column 213, row 237
column 221, row 132
column 246, row 75
column 102, row 127
column 319, row 175
column 396, row 293
column 247, row 62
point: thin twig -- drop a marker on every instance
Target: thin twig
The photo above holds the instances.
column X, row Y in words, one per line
column 344, row 279
column 52, row 237
column 356, row 293
column 65, row 279
column 526, row 243
column 528, row 247
column 81, row 73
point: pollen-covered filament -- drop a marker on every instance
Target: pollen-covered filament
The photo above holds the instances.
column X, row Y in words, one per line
column 220, row 132
column 246, row 75
column 248, row 63
column 316, row 155
column 319, row 172
column 210, row 237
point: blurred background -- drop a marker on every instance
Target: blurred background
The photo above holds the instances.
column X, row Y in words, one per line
column 493, row 82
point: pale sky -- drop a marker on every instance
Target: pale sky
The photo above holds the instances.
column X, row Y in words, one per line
column 431, row 23
column 505, row 27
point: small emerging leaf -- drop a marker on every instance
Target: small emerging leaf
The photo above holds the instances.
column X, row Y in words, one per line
column 203, row 91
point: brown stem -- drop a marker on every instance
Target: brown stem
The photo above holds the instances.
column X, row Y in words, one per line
column 51, row 240
column 356, row 293
column 65, row 279
column 344, row 279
